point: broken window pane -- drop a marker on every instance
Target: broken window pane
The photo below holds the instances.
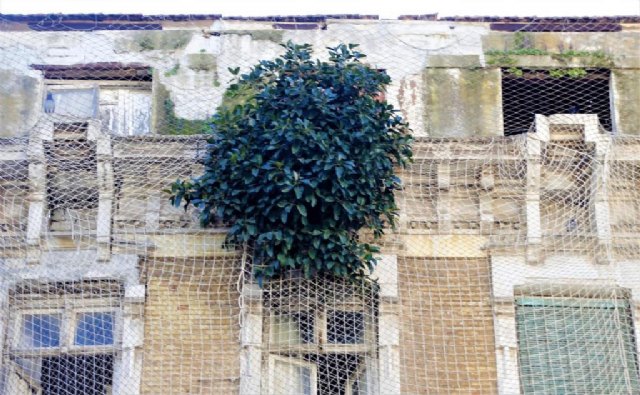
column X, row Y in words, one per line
column 40, row 330
column 345, row 327
column 335, row 371
column 94, row 329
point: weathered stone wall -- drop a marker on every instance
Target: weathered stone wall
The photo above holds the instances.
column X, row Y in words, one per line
column 444, row 81
column 462, row 102
column 20, row 102
column 626, row 100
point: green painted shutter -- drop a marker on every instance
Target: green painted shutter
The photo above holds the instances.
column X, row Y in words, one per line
column 576, row 346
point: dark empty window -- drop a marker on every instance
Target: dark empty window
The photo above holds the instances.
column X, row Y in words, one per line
column 305, row 323
column 345, row 327
column 557, row 91
column 77, row 375
column 334, row 371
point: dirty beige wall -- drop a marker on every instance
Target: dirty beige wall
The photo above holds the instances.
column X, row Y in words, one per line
column 626, row 100
column 20, row 103
column 462, row 102
column 442, row 79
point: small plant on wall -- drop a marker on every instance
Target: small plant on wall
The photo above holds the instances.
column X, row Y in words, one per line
column 301, row 161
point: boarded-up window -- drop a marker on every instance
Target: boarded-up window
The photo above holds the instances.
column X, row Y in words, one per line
column 576, row 346
column 126, row 112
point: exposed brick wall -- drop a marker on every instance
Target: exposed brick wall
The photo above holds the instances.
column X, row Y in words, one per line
column 191, row 341
column 446, row 324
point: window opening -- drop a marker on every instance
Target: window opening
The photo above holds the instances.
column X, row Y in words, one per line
column 576, row 345
column 322, row 341
column 62, row 337
column 549, row 92
column 117, row 94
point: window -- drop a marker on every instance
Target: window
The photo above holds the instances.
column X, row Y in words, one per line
column 118, row 94
column 71, row 181
column 317, row 347
column 72, row 101
column 63, row 338
column 576, row 345
column 549, row 92
column 292, row 376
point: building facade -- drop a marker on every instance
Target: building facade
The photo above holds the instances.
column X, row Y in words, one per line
column 513, row 268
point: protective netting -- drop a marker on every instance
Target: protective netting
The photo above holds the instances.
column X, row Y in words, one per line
column 513, row 268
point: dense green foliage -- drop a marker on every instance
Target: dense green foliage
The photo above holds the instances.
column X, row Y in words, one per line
column 301, row 158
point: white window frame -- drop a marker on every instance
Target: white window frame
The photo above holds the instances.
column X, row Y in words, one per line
column 68, row 308
column 117, row 328
column 367, row 338
column 60, row 86
column 273, row 358
column 383, row 361
column 320, row 332
column 15, row 332
column 366, row 349
column 305, row 347
column 68, row 314
column 121, row 272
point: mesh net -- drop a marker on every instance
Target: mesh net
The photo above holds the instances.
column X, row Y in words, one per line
column 513, row 268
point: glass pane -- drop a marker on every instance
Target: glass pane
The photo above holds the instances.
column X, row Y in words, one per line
column 304, row 380
column 345, row 327
column 291, row 378
column 94, row 329
column 294, row 328
column 40, row 330
column 359, row 386
column 74, row 102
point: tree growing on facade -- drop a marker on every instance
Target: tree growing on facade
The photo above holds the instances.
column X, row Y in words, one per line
column 300, row 161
